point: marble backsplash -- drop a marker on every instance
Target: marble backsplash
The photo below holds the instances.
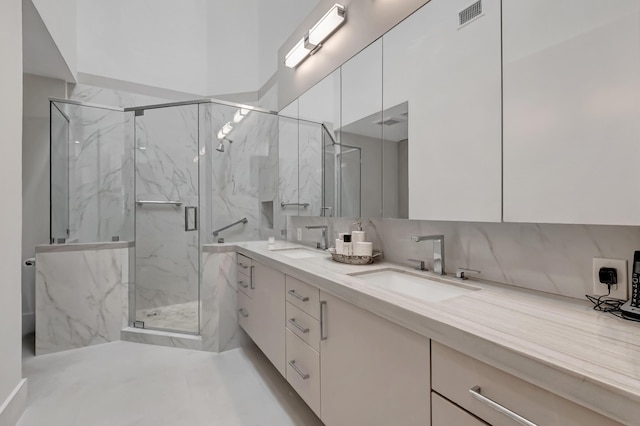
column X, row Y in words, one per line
column 551, row 258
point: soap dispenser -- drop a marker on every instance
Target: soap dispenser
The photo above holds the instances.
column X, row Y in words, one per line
column 358, row 235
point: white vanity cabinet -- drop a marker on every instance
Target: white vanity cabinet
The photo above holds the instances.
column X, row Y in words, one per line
column 458, row 378
column 373, row 372
column 451, row 75
column 571, row 111
column 261, row 310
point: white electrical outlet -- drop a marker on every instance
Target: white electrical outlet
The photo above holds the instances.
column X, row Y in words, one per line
column 619, row 291
column 299, row 234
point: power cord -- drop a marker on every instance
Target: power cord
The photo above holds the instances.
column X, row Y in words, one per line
column 604, row 303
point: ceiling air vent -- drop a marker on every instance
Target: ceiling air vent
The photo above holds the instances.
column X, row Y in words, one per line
column 470, row 12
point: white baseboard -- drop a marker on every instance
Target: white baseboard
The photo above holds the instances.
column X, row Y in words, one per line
column 28, row 323
column 13, row 408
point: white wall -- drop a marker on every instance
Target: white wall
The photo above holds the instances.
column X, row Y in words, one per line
column 202, row 47
column 153, row 42
column 35, row 180
column 232, row 46
column 10, row 176
column 60, row 18
column 277, row 20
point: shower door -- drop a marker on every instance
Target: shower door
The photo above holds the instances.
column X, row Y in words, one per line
column 166, row 226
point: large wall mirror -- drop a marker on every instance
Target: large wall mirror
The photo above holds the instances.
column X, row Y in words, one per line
column 400, row 130
column 352, row 148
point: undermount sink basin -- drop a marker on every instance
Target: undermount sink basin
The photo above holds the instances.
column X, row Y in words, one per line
column 415, row 286
column 301, row 253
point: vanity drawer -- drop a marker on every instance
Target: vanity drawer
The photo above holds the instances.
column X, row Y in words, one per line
column 444, row 413
column 244, row 312
column 244, row 265
column 303, row 371
column 456, row 376
column 244, row 285
column 303, row 296
column 304, row 326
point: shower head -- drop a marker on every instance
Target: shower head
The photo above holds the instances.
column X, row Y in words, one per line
column 220, row 147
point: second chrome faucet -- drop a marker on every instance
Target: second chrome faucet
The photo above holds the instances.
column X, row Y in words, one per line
column 438, row 251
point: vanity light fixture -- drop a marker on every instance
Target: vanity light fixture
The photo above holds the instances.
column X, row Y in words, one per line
column 327, row 25
column 331, row 21
column 296, row 55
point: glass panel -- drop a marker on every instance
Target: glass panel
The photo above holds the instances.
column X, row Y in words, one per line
column 59, row 174
column 362, row 126
column 91, row 174
column 167, row 255
column 239, row 171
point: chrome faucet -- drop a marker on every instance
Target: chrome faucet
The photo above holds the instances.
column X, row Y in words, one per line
column 438, row 251
column 325, row 240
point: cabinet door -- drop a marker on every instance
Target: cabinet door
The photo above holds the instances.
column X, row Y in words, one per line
column 452, row 79
column 268, row 313
column 571, row 111
column 373, row 372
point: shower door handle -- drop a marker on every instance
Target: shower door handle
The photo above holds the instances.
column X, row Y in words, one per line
column 190, row 218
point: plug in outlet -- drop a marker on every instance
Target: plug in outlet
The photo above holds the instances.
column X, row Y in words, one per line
column 619, row 291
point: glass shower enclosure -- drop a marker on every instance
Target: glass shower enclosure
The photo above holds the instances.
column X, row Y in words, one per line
column 168, row 179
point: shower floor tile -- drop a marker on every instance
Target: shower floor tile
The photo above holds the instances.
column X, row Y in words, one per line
column 123, row 383
column 181, row 316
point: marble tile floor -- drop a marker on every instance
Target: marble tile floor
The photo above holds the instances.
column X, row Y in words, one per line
column 180, row 317
column 123, row 383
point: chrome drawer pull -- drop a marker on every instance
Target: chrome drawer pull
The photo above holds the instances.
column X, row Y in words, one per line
column 251, row 283
column 242, row 284
column 243, row 312
column 293, row 322
column 293, row 365
column 323, row 305
column 242, row 265
column 297, row 296
column 475, row 393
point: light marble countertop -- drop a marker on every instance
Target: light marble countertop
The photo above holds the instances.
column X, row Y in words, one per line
column 557, row 343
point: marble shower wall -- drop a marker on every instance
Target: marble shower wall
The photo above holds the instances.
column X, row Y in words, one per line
column 98, row 155
column 81, row 295
column 167, row 256
column 100, row 174
column 242, row 181
column 555, row 259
